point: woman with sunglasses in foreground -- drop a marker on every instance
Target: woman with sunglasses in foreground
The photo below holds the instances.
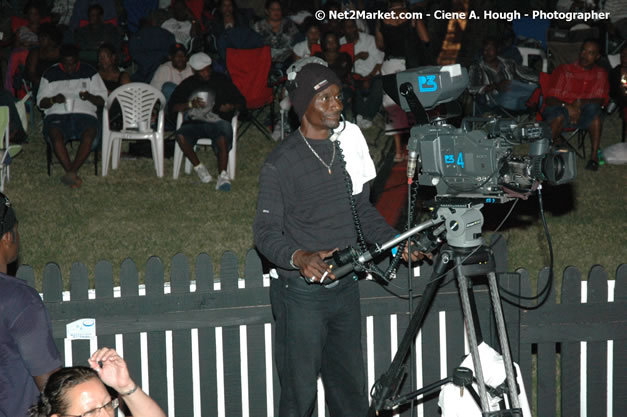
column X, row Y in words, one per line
column 80, row 391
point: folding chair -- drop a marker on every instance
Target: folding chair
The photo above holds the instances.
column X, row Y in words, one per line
column 178, row 153
column 526, row 52
column 137, row 100
column 249, row 69
column 7, row 152
column 568, row 134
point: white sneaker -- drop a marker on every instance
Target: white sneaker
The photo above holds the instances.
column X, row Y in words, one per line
column 224, row 182
column 203, row 173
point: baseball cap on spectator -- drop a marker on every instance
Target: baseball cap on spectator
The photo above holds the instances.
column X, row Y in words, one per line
column 199, row 61
column 177, row 47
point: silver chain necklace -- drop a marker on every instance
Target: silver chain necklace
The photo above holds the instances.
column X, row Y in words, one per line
column 328, row 167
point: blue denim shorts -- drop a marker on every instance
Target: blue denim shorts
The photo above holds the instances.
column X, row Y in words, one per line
column 194, row 130
column 589, row 112
column 72, row 125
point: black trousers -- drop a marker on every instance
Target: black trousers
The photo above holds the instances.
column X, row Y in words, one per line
column 318, row 332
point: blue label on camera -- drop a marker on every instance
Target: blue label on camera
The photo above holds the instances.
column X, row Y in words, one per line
column 450, row 159
column 426, row 83
column 490, row 200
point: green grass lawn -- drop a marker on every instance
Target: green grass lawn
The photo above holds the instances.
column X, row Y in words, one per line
column 133, row 214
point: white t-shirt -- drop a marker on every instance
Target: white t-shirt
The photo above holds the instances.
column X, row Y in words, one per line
column 365, row 43
column 180, row 30
column 359, row 164
column 167, row 73
column 301, row 49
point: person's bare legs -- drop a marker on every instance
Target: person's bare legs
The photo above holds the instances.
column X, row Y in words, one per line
column 188, row 150
column 595, row 136
column 58, row 146
column 557, row 125
column 223, row 154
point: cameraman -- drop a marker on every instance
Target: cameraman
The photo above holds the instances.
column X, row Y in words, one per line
column 303, row 215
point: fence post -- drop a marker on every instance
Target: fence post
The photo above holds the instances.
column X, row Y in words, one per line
column 207, row 342
column 571, row 351
column 104, row 290
column 131, row 342
column 231, row 342
column 182, row 343
column 156, row 339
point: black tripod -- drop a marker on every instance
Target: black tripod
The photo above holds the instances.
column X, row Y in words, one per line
column 466, row 255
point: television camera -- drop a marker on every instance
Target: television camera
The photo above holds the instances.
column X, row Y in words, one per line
column 469, row 168
column 472, row 163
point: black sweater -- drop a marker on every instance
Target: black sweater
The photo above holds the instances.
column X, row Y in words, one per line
column 301, row 206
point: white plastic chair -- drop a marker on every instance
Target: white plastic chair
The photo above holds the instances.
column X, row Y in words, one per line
column 526, row 52
column 137, row 101
column 7, row 152
column 178, row 152
column 4, row 131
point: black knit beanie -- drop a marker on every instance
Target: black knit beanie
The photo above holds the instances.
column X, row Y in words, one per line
column 310, row 80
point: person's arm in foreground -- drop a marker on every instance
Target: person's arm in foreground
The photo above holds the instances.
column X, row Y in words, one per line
column 114, row 373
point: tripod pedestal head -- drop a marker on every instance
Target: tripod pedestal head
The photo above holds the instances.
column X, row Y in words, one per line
column 463, row 225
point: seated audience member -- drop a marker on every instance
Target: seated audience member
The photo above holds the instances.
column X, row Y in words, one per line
column 90, row 37
column 136, row 11
column 278, row 32
column 69, row 94
column 226, row 16
column 208, row 118
column 499, row 81
column 80, row 12
column 173, row 72
column 340, row 62
column 369, row 85
column 108, row 68
column 26, row 36
column 46, row 55
column 28, row 354
column 112, row 77
column 574, row 100
column 149, row 48
column 618, row 86
column 182, row 25
column 82, row 391
column 312, row 37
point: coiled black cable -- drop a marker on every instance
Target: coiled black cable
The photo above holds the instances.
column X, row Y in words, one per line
column 371, row 267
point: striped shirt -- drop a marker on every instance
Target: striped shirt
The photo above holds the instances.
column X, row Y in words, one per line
column 56, row 81
column 302, row 206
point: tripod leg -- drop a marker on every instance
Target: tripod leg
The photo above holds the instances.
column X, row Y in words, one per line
column 386, row 386
column 500, row 324
column 462, row 283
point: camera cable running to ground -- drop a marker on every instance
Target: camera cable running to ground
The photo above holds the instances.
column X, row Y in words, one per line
column 546, row 290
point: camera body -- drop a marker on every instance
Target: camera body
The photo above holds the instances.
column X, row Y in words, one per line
column 484, row 163
column 467, row 162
